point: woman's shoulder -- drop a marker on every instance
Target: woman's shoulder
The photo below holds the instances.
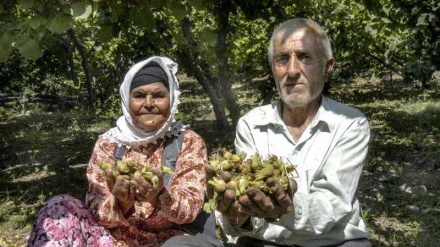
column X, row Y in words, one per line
column 191, row 136
column 191, row 133
column 105, row 144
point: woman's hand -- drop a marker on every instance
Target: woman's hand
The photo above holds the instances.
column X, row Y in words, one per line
column 121, row 190
column 145, row 190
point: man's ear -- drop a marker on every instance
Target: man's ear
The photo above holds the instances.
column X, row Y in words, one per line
column 329, row 68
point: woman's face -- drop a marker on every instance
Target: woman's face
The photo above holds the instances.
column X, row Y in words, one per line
column 150, row 106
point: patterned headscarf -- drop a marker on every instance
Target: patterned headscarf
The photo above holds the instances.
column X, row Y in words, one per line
column 126, row 132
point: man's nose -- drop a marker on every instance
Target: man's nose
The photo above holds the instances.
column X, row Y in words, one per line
column 293, row 67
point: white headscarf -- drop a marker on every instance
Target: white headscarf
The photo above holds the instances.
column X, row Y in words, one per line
column 126, row 132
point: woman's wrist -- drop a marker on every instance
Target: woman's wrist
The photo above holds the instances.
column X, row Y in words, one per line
column 126, row 207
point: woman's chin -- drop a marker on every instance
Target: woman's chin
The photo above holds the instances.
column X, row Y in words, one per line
column 150, row 126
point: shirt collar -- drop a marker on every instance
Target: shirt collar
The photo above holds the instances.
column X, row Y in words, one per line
column 324, row 116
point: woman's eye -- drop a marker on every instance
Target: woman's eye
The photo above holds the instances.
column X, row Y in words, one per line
column 137, row 95
column 158, row 95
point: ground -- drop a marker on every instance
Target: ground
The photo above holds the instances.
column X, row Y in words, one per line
column 44, row 151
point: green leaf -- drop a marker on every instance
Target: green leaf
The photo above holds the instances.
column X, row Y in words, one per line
column 386, row 10
column 208, row 37
column 422, row 20
column 6, row 46
column 1, row 9
column 5, row 50
column 30, row 49
column 116, row 11
column 36, row 21
column 81, row 10
column 142, row 18
column 60, row 23
column 104, row 34
column 178, row 10
column 26, row 4
column 197, row 4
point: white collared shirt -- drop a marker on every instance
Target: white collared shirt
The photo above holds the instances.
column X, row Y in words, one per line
column 328, row 157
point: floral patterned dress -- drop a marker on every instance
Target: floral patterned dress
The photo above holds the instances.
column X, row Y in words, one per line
column 66, row 221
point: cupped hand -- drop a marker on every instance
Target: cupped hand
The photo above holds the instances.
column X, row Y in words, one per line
column 145, row 190
column 210, row 173
column 256, row 203
column 268, row 206
column 121, row 190
column 232, row 209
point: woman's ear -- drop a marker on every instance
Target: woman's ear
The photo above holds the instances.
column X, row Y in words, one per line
column 329, row 68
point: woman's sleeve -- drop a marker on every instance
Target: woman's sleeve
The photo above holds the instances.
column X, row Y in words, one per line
column 183, row 200
column 99, row 199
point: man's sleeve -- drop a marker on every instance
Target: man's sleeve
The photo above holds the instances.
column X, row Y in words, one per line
column 332, row 188
column 244, row 142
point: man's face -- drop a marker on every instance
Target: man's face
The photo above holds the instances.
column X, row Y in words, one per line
column 299, row 67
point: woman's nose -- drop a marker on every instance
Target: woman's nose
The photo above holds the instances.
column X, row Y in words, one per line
column 149, row 101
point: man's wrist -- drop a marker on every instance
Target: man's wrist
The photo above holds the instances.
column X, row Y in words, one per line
column 238, row 222
column 247, row 225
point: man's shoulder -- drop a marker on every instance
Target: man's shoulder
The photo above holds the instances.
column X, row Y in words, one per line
column 339, row 109
column 260, row 112
column 340, row 114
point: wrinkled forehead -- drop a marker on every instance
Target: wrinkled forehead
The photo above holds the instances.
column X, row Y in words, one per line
column 303, row 39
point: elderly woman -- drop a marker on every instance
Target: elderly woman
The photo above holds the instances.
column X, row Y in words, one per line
column 122, row 212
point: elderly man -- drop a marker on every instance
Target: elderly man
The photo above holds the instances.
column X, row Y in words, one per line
column 326, row 140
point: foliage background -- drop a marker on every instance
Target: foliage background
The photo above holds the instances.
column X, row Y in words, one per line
column 82, row 48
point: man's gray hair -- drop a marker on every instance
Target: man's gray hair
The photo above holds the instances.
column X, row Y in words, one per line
column 289, row 27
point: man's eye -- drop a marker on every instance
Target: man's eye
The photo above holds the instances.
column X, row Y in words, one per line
column 282, row 59
column 305, row 58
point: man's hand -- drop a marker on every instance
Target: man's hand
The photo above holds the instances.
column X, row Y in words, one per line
column 268, row 206
column 209, row 174
column 256, row 203
column 232, row 209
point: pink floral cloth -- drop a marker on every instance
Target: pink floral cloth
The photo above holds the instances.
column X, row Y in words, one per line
column 65, row 221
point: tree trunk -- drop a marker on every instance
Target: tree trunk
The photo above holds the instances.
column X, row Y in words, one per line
column 69, row 53
column 85, row 65
column 225, row 76
column 221, row 120
column 201, row 71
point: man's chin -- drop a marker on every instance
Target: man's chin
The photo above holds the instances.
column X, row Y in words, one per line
column 294, row 99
